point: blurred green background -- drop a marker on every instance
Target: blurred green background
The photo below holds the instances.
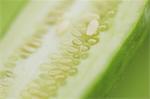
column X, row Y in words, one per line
column 134, row 81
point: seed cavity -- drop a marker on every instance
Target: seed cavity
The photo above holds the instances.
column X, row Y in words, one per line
column 30, row 47
column 62, row 65
column 23, row 52
column 59, row 66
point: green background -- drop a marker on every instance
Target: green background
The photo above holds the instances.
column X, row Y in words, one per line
column 134, row 81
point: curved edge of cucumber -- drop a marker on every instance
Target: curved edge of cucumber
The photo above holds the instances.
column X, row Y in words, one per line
column 103, row 85
column 18, row 6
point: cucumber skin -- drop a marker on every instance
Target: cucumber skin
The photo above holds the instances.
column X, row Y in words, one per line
column 103, row 85
column 13, row 8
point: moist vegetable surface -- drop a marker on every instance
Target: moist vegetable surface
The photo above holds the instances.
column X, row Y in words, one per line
column 70, row 49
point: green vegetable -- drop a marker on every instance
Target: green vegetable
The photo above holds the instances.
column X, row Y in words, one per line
column 71, row 49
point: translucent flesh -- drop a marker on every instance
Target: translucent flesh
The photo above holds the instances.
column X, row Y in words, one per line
column 87, row 27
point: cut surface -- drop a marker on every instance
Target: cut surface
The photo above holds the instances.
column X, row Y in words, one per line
column 67, row 44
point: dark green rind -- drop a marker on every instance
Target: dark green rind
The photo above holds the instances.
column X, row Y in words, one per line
column 9, row 10
column 101, row 89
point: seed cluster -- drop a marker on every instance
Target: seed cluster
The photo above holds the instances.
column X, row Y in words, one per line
column 6, row 73
column 55, row 13
column 32, row 45
column 60, row 66
column 4, row 83
column 109, row 9
column 25, row 51
column 35, row 41
column 5, row 80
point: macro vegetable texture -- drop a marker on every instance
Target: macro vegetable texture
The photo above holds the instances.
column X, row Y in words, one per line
column 70, row 49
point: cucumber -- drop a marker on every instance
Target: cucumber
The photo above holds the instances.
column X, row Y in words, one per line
column 70, row 49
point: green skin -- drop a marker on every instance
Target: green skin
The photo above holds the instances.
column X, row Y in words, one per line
column 8, row 12
column 122, row 59
column 101, row 87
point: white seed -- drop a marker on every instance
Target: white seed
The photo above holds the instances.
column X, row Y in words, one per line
column 92, row 27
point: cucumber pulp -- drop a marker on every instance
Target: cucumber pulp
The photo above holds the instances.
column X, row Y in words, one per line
column 81, row 42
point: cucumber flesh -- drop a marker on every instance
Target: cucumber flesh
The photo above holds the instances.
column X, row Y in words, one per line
column 52, row 56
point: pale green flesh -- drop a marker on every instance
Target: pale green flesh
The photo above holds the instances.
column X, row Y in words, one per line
column 100, row 54
column 103, row 52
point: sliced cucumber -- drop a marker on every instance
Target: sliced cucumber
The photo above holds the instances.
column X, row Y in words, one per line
column 69, row 49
